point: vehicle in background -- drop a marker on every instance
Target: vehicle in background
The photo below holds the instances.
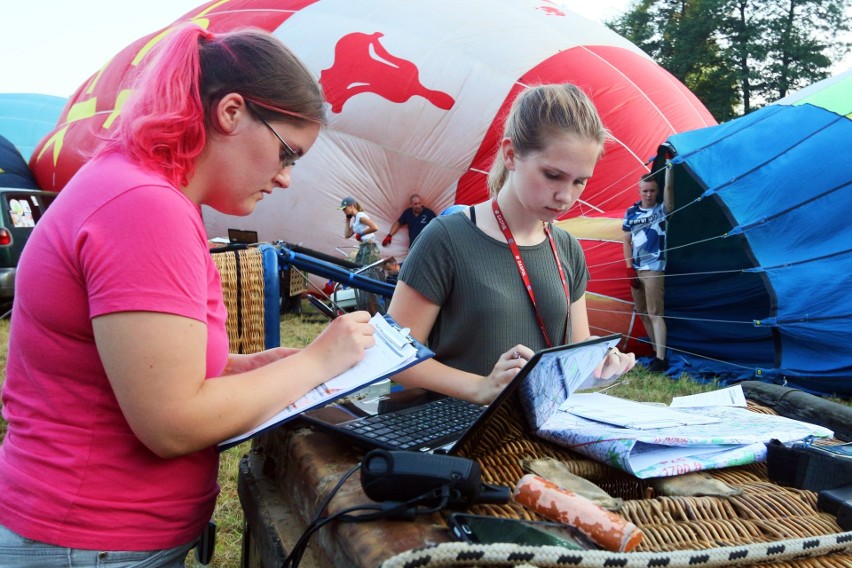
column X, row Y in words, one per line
column 20, row 210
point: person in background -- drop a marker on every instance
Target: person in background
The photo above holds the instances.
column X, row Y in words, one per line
column 461, row 290
column 415, row 218
column 644, row 229
column 359, row 225
column 119, row 388
column 390, row 267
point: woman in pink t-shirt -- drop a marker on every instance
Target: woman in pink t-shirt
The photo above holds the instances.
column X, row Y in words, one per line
column 110, row 454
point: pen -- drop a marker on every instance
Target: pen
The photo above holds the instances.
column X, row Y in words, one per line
column 321, row 306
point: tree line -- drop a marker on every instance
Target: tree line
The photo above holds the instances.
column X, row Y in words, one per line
column 737, row 55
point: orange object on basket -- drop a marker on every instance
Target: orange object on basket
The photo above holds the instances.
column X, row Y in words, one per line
column 607, row 529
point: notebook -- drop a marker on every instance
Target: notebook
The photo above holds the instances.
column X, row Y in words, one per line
column 397, row 423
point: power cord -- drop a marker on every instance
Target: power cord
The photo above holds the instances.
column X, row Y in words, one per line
column 389, row 509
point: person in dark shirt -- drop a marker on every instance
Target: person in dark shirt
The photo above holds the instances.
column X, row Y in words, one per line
column 390, row 267
column 415, row 218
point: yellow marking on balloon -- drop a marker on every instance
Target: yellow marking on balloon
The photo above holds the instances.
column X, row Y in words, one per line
column 202, row 22
column 211, row 8
column 94, row 81
column 149, row 46
column 602, row 228
column 120, row 99
column 78, row 111
column 82, row 110
column 54, row 141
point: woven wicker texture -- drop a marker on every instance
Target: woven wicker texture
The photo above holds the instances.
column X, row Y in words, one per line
column 243, row 290
column 765, row 512
column 298, row 281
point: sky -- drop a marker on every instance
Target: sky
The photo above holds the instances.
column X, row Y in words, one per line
column 52, row 46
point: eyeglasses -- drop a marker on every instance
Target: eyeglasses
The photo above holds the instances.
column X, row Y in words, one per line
column 288, row 155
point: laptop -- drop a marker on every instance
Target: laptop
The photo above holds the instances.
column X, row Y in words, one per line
column 420, row 420
column 241, row 237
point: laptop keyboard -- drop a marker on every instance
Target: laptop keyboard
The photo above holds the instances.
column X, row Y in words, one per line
column 445, row 418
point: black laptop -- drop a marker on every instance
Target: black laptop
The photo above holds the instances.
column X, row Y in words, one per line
column 420, row 420
column 242, row 237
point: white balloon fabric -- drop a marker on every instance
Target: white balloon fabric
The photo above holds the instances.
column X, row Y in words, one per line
column 417, row 91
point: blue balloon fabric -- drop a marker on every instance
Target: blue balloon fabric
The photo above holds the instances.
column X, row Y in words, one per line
column 14, row 171
column 760, row 249
column 26, row 118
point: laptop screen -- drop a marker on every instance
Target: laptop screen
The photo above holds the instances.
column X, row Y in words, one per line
column 239, row 236
column 540, row 387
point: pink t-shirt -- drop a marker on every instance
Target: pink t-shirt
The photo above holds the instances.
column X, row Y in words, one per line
column 72, row 473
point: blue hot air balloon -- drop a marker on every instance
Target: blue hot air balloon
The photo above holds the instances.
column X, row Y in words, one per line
column 25, row 118
column 14, row 171
column 760, row 243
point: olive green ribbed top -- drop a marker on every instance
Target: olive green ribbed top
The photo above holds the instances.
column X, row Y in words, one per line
column 485, row 307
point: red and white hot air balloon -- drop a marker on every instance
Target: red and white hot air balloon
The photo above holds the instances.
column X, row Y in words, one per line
column 417, row 90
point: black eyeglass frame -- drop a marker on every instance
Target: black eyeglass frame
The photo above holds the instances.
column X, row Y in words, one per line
column 287, row 155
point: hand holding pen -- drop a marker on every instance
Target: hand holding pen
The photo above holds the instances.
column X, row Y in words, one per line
column 343, row 342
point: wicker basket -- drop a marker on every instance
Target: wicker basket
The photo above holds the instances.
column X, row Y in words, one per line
column 243, row 290
column 764, row 513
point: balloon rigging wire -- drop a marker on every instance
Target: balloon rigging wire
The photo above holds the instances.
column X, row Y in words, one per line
column 679, row 318
column 683, row 351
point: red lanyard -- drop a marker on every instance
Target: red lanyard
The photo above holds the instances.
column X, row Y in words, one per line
column 522, row 269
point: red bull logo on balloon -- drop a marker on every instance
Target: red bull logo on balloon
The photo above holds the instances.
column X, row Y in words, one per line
column 363, row 65
column 551, row 9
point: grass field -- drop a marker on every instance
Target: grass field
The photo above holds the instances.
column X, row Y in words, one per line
column 299, row 330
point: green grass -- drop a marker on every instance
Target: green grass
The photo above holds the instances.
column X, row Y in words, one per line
column 298, row 331
column 645, row 386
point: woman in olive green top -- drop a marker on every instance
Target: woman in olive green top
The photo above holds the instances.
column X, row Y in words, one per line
column 489, row 286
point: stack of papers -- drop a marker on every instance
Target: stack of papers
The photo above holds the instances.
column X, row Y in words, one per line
column 731, row 396
column 703, row 431
column 651, row 441
column 629, row 414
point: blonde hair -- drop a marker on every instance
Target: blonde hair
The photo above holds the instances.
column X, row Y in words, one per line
column 540, row 112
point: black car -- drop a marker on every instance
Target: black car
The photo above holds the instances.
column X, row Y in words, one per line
column 20, row 210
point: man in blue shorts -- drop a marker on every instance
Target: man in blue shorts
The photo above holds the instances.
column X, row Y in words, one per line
column 644, row 229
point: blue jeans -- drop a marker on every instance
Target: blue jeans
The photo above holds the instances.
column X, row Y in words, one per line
column 19, row 552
